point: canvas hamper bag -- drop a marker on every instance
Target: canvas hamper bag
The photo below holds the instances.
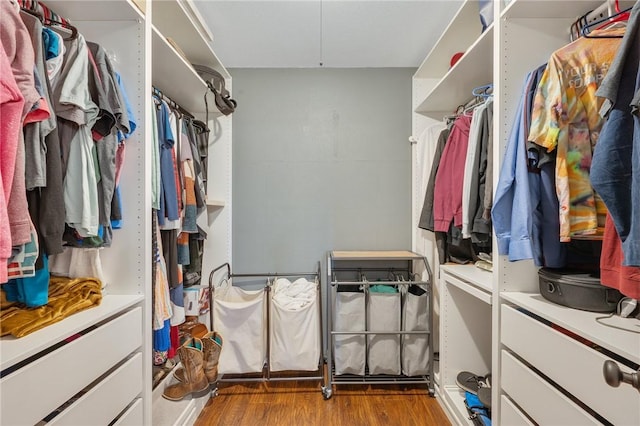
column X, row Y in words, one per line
column 349, row 350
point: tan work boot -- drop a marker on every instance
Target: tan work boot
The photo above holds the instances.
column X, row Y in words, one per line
column 212, row 343
column 192, row 359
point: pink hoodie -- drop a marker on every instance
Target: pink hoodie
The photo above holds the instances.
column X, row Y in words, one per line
column 18, row 49
column 11, row 107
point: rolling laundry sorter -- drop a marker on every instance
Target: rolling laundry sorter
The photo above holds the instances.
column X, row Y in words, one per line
column 379, row 318
column 271, row 324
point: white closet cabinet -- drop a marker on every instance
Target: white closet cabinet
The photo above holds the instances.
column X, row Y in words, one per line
column 95, row 366
column 542, row 371
column 174, row 76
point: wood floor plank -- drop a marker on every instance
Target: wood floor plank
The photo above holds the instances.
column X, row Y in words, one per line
column 302, row 404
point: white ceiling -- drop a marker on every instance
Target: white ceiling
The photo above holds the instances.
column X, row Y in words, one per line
column 334, row 33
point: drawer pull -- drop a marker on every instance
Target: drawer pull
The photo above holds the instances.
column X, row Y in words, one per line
column 614, row 376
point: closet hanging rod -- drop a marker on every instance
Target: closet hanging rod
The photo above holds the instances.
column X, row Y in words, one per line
column 173, row 104
column 42, row 10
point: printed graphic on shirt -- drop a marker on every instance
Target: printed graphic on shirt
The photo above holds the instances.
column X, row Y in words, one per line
column 565, row 117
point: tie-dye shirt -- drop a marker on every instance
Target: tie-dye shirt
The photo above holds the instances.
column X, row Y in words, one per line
column 566, row 117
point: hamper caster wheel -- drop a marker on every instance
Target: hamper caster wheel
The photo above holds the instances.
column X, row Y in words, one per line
column 326, row 392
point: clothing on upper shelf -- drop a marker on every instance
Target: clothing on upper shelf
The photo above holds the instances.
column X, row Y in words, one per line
column 66, row 297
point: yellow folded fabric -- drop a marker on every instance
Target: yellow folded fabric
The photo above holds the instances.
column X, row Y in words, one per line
column 66, row 297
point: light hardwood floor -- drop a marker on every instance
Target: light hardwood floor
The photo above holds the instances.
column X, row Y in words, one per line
column 302, row 404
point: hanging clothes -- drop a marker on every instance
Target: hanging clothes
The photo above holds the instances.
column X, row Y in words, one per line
column 512, row 209
column 615, row 169
column 11, row 107
column 565, row 117
column 447, row 203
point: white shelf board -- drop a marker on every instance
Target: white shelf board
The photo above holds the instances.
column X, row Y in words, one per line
column 176, row 78
column 13, row 350
column 453, row 399
column 375, row 255
column 170, row 413
column 96, row 10
column 472, row 274
column 463, row 30
column 171, row 18
column 215, row 203
column 474, row 69
column 555, row 9
column 584, row 324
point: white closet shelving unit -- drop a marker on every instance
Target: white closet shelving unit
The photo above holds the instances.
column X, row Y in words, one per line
column 498, row 321
column 45, row 369
column 463, row 292
column 110, row 361
column 175, row 77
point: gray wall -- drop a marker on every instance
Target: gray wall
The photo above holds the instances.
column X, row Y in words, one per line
column 321, row 162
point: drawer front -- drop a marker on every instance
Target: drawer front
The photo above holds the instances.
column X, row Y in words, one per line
column 27, row 398
column 107, row 399
column 510, row 415
column 574, row 366
column 133, row 416
column 544, row 403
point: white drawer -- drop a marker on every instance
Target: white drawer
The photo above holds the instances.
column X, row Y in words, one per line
column 542, row 402
column 572, row 365
column 107, row 399
column 510, row 415
column 27, row 398
column 133, row 416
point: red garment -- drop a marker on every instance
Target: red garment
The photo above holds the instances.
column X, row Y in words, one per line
column 612, row 273
column 447, row 194
column 40, row 113
column 174, row 335
column 11, row 107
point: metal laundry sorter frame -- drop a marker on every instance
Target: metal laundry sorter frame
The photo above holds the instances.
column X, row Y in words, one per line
column 363, row 262
column 266, row 369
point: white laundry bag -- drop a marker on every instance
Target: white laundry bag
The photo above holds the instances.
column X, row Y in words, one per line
column 295, row 326
column 349, row 350
column 383, row 314
column 239, row 317
column 415, row 347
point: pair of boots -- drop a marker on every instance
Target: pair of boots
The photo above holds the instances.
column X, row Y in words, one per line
column 199, row 358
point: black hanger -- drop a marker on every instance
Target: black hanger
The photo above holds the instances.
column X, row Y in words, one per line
column 585, row 30
column 576, row 27
column 54, row 23
column 32, row 13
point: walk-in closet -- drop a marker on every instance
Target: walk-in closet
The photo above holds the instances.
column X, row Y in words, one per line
column 319, row 212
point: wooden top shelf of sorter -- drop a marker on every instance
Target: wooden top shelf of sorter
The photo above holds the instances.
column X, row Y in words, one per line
column 375, row 255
